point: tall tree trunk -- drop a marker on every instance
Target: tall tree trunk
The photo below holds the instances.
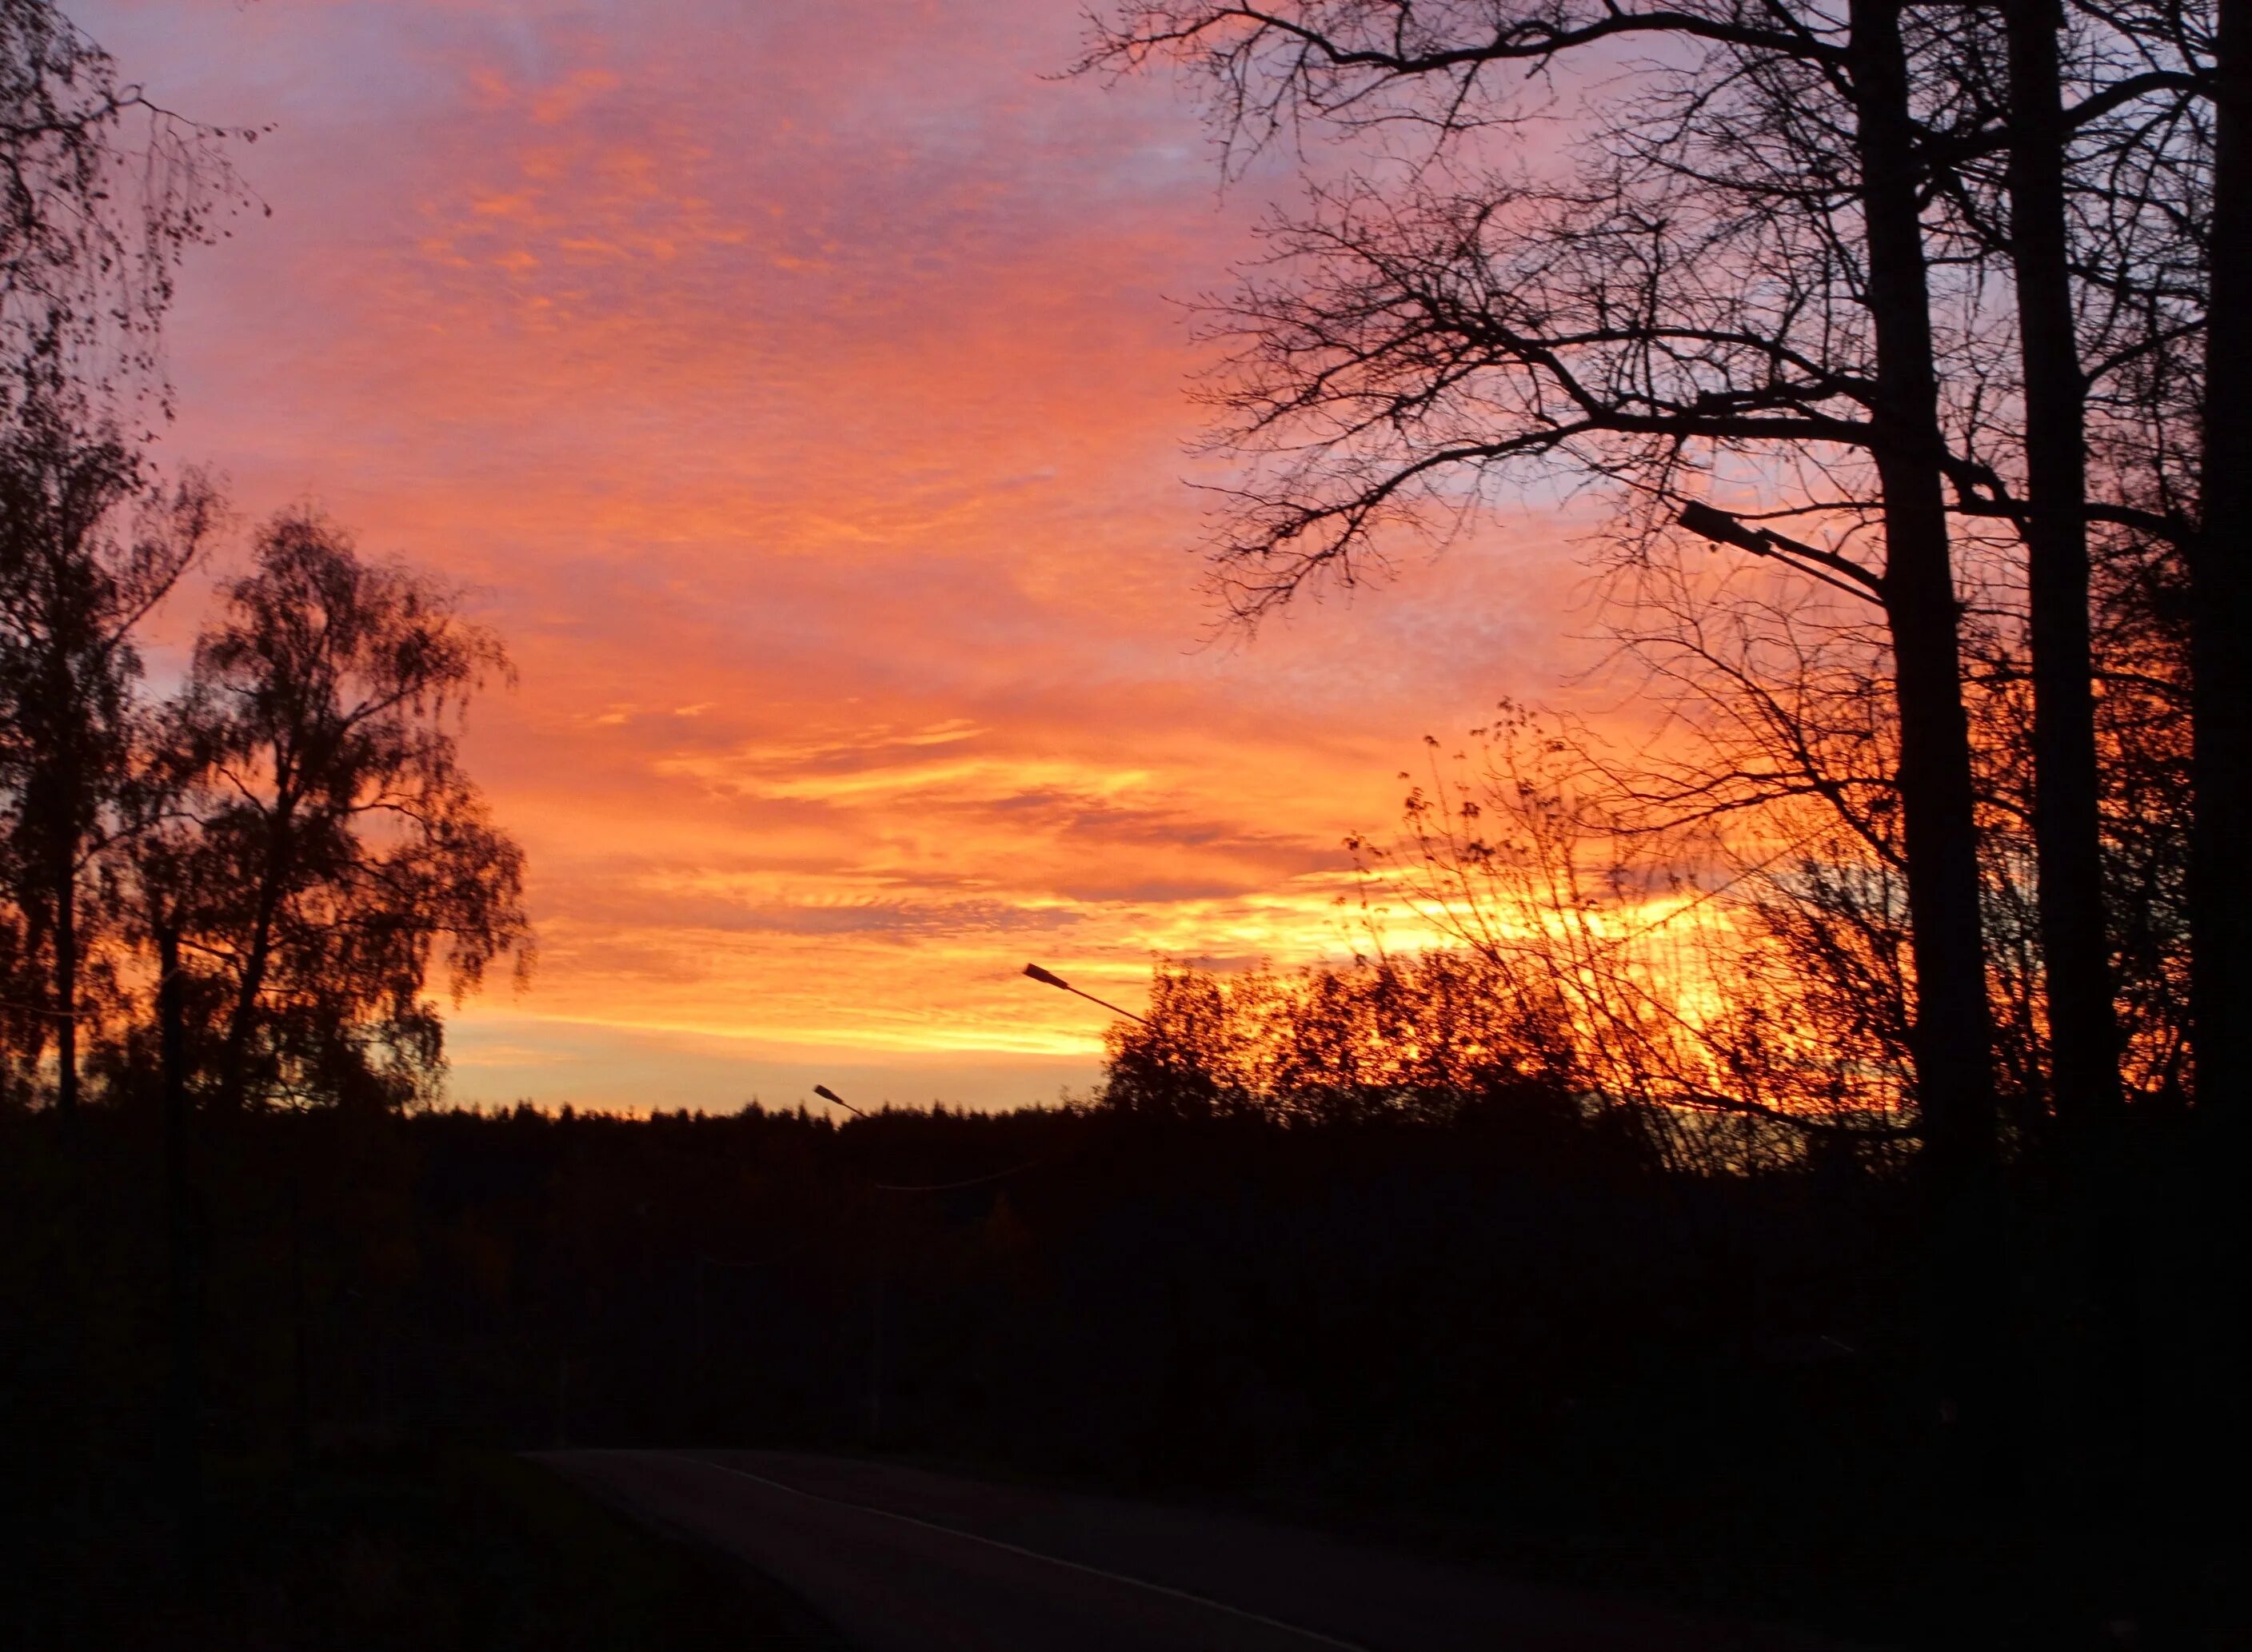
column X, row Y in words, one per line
column 2083, row 1028
column 2067, row 828
column 1953, row 1025
column 2221, row 610
column 257, row 956
column 2220, row 848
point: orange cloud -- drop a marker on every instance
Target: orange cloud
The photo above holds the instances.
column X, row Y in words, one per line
column 798, row 389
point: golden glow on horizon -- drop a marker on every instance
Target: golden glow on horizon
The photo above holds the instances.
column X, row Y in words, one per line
column 799, row 392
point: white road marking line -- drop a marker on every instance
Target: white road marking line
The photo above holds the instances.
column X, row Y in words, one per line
column 1315, row 1636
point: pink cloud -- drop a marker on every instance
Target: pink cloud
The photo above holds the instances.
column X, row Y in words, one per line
column 798, row 390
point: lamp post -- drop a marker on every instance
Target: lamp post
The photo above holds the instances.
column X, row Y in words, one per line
column 1050, row 978
column 875, row 1303
column 1840, row 573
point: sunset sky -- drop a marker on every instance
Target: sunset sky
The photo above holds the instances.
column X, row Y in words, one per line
column 802, row 390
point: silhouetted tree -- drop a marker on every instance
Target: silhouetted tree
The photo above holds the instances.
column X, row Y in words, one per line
column 2083, row 1019
column 1730, row 272
column 1687, row 971
column 1433, row 1037
column 2221, row 588
column 89, row 545
column 340, row 855
column 1732, row 269
column 101, row 190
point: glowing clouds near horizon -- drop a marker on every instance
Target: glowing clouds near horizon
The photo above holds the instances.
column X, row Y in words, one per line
column 801, row 396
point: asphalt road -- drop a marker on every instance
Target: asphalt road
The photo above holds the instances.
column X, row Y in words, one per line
column 902, row 1560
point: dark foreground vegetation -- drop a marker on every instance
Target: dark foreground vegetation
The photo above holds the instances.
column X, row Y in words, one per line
column 1512, row 1335
column 416, row 1551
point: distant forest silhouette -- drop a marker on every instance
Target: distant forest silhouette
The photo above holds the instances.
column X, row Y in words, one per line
column 1805, row 1176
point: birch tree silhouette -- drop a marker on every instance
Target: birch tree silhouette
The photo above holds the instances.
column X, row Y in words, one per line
column 101, row 192
column 340, row 856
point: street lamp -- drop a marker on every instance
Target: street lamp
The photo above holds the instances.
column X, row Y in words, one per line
column 1049, row 978
column 875, row 1303
column 1840, row 573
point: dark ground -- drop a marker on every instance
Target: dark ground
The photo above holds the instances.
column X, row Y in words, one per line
column 460, row 1552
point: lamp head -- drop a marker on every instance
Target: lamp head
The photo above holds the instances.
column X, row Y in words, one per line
column 1720, row 527
column 1047, row 977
